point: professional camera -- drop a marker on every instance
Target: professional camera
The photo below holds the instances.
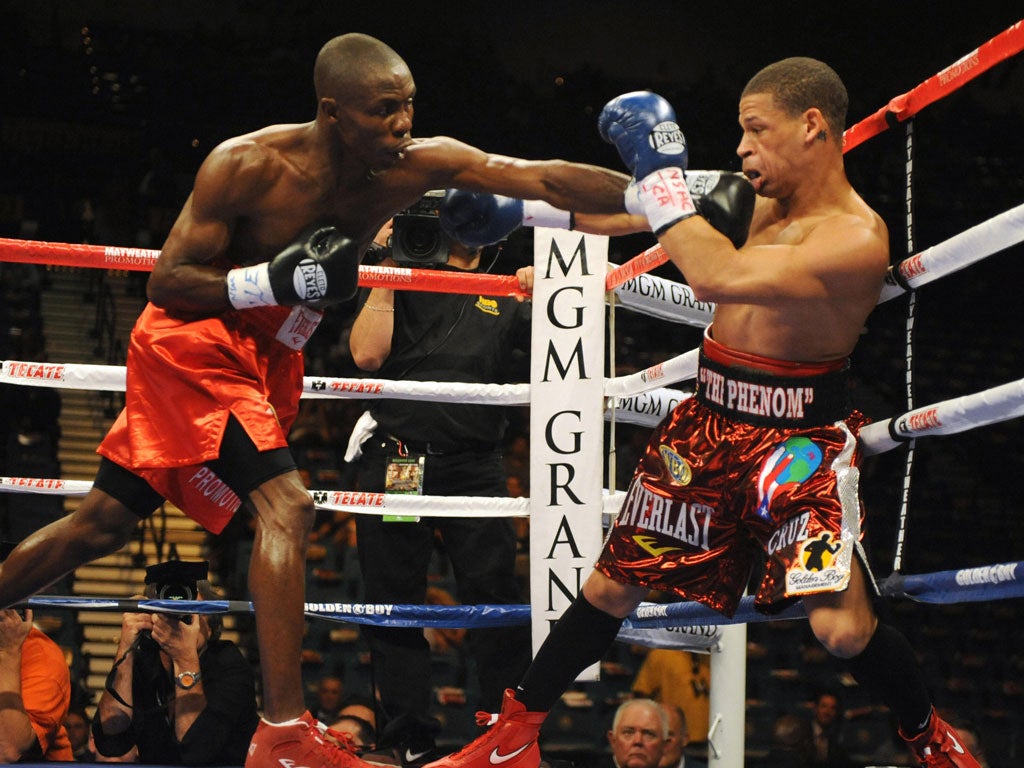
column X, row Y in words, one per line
column 416, row 234
column 177, row 580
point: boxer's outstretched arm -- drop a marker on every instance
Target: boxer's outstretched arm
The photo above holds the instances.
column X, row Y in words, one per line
column 565, row 185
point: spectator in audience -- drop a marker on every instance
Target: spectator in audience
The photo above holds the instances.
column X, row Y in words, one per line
column 329, row 692
column 678, row 737
column 972, row 743
column 78, row 725
column 792, row 744
column 35, row 689
column 680, row 678
column 360, row 731
column 826, row 720
column 361, row 707
column 638, row 734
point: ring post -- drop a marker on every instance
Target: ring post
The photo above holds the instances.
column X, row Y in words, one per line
column 566, row 422
column 727, row 726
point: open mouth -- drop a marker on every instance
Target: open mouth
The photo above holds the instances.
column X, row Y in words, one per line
column 399, row 150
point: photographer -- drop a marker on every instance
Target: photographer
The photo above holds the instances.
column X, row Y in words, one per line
column 177, row 691
column 440, row 449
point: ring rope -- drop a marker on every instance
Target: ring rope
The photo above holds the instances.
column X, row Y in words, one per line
column 901, row 108
column 348, row 501
column 111, row 378
column 1000, row 581
column 1000, row 403
column 634, row 288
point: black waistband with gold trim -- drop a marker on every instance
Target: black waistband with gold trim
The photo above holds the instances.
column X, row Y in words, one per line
column 769, row 400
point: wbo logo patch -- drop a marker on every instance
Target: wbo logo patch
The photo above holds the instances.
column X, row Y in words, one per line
column 678, row 468
column 789, row 465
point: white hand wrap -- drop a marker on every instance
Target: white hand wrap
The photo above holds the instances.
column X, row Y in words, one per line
column 633, row 205
column 249, row 287
column 537, row 213
column 665, row 198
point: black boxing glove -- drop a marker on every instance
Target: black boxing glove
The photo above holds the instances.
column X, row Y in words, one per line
column 724, row 198
column 319, row 269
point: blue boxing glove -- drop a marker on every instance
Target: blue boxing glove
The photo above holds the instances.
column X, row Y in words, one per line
column 319, row 269
column 642, row 126
column 477, row 219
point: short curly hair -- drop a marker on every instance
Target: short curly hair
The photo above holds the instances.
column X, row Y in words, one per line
column 800, row 83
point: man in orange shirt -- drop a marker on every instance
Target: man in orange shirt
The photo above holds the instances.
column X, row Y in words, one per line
column 35, row 692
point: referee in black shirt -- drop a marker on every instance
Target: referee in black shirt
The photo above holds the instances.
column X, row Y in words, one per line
column 437, row 449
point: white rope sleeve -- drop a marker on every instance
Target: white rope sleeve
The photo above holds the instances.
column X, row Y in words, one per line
column 947, row 417
column 971, row 245
column 680, row 368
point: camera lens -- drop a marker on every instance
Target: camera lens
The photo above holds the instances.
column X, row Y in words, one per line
column 421, row 240
column 175, row 592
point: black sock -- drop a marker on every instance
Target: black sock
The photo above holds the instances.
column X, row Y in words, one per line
column 889, row 670
column 578, row 639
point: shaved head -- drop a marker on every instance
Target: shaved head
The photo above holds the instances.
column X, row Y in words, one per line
column 351, row 60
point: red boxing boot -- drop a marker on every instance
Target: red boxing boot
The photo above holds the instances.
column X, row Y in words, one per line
column 510, row 742
column 301, row 742
column 940, row 746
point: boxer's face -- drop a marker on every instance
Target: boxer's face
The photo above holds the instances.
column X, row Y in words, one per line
column 374, row 119
column 771, row 137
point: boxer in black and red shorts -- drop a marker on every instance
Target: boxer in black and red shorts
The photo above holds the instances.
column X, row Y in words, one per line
column 761, row 460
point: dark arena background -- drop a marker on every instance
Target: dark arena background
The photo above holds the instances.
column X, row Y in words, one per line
column 109, row 108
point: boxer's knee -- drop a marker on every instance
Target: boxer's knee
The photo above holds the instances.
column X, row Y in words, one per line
column 611, row 596
column 843, row 632
column 283, row 506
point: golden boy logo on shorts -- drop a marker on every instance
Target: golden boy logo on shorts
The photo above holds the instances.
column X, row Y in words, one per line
column 819, row 553
column 677, row 466
column 819, row 567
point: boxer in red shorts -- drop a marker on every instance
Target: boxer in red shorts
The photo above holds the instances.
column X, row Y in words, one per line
column 762, row 460
column 273, row 230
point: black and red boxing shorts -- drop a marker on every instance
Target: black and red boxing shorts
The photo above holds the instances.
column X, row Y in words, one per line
column 762, row 461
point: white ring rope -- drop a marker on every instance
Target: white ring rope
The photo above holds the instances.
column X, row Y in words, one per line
column 948, row 417
column 970, row 246
column 111, row 378
column 675, row 302
column 665, row 299
column 348, row 501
